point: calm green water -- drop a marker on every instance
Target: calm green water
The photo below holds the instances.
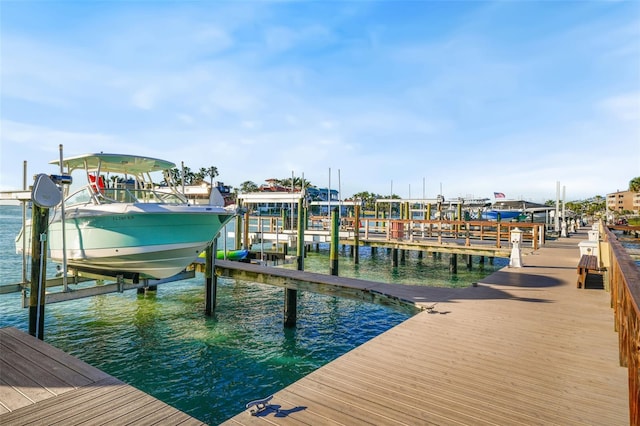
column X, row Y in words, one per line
column 210, row 367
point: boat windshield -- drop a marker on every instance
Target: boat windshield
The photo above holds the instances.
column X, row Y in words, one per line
column 121, row 195
column 82, row 196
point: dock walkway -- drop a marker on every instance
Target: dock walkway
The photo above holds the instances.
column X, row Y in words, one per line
column 523, row 347
column 41, row 385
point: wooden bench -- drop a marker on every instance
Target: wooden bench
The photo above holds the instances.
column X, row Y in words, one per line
column 587, row 263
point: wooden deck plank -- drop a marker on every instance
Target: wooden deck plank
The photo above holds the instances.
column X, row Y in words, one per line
column 414, row 397
column 12, row 397
column 288, row 406
column 144, row 408
column 72, row 393
column 329, row 403
column 402, row 406
column 62, row 359
column 159, row 417
column 52, row 381
column 55, row 370
column 446, row 374
column 14, row 380
column 290, row 403
column 94, row 409
column 59, row 404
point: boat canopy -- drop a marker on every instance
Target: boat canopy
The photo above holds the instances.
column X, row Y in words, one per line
column 115, row 163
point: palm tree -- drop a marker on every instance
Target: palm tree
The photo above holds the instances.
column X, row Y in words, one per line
column 368, row 199
column 212, row 172
column 297, row 182
column 189, row 176
column 634, row 184
column 175, row 175
column 248, row 186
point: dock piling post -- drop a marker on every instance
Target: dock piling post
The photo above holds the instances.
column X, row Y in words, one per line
column 334, row 243
column 356, row 235
column 238, row 232
column 290, row 294
column 40, row 221
column 245, row 233
column 453, row 263
column 211, row 279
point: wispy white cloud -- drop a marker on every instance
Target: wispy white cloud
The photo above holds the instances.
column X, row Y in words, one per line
column 470, row 95
column 624, row 107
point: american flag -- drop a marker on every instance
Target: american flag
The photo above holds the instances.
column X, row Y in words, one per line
column 498, row 195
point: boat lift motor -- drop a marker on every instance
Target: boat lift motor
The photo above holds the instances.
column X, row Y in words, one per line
column 61, row 179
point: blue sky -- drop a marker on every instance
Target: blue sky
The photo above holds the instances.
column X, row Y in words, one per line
column 473, row 97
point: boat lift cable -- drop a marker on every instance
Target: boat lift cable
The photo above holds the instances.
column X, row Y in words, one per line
column 24, row 220
column 65, row 285
column 43, row 255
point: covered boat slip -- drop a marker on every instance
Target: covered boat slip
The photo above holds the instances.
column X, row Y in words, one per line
column 523, row 347
column 40, row 384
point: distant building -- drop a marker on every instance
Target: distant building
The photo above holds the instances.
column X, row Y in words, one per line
column 272, row 185
column 203, row 194
column 624, row 201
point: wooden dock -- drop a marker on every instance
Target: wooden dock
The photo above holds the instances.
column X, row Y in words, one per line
column 523, row 347
column 42, row 385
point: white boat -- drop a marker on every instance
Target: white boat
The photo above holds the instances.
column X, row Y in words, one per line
column 120, row 223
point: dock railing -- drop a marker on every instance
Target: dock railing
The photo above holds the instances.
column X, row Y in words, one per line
column 623, row 279
column 416, row 230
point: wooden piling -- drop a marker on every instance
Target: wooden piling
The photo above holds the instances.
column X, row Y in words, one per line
column 238, row 232
column 245, row 234
column 394, row 257
column 334, row 243
column 453, row 263
column 39, row 228
column 290, row 294
column 356, row 235
column 300, row 251
column 211, row 279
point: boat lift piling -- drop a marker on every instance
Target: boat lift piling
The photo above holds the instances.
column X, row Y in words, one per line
column 45, row 194
column 40, row 219
column 291, row 294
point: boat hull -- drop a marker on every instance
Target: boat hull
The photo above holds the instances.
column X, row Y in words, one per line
column 505, row 215
column 149, row 241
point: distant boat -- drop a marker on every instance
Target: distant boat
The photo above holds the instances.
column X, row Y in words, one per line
column 129, row 227
column 506, row 215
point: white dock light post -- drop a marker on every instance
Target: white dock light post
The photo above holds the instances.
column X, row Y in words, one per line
column 515, row 260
